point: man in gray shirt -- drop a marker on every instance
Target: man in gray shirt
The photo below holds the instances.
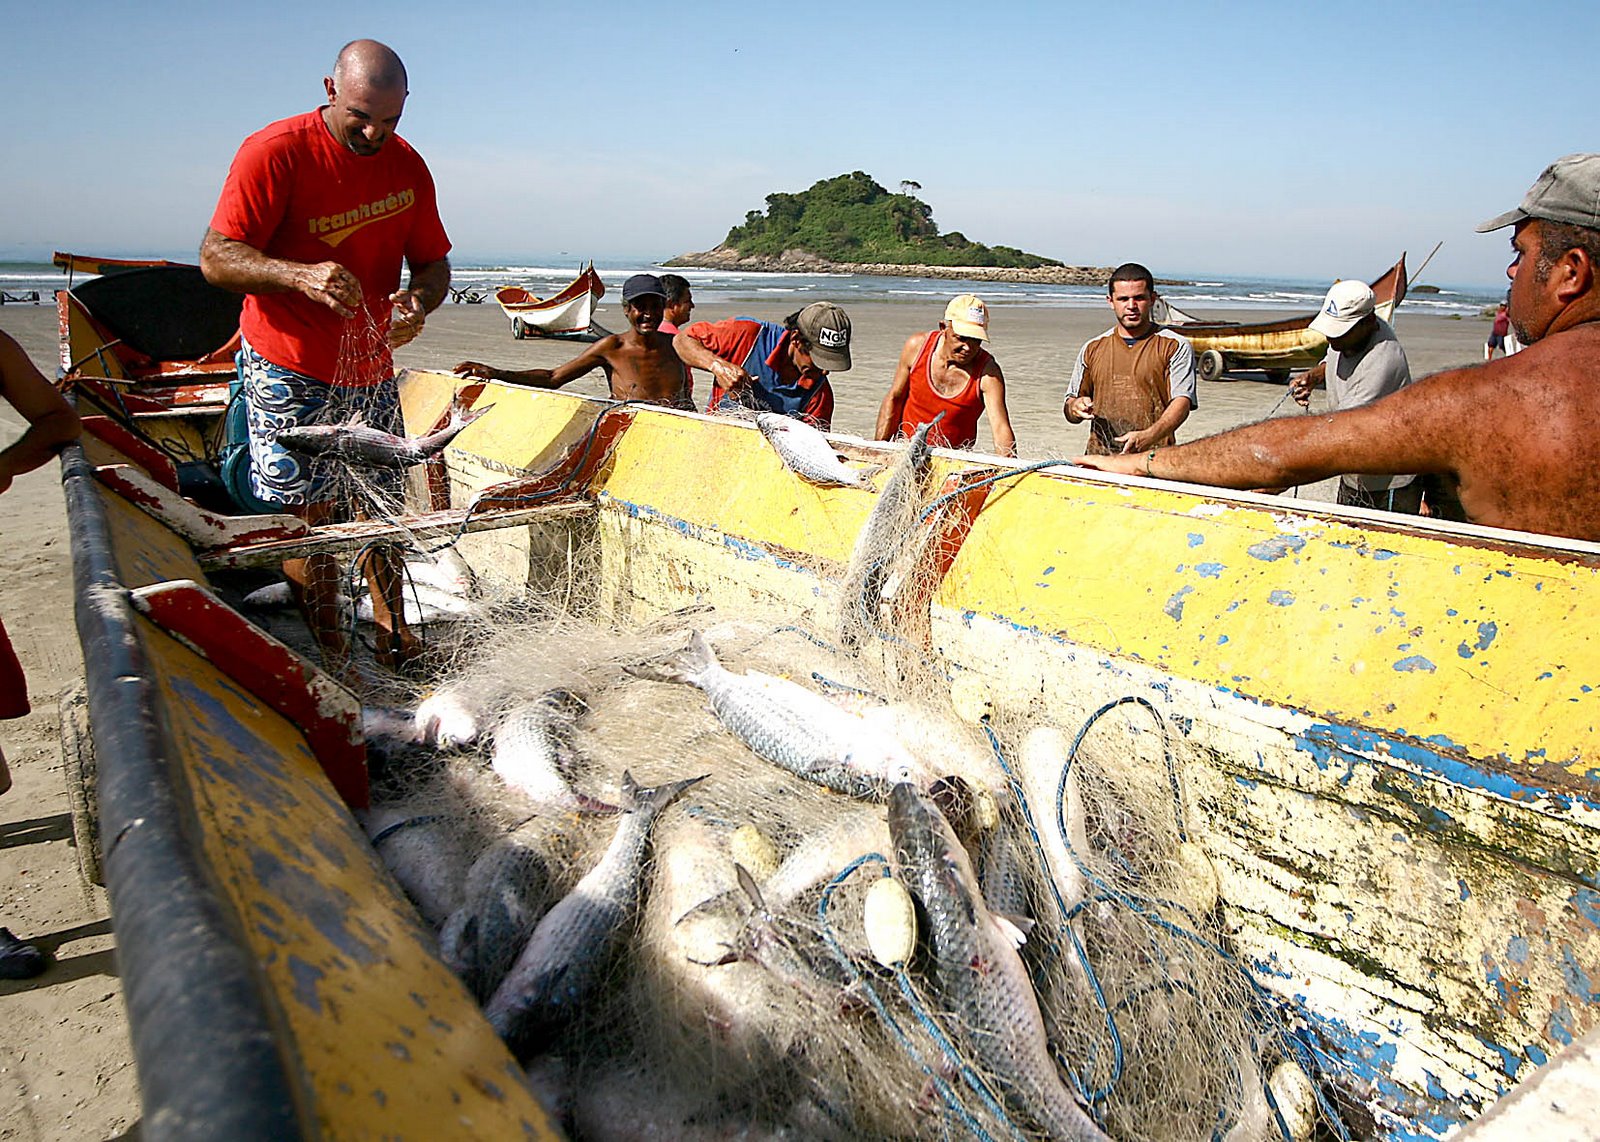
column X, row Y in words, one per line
column 1364, row 362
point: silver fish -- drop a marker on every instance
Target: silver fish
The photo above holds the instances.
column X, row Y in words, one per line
column 535, row 750
column 884, row 532
column 422, row 604
column 453, row 716
column 359, row 443
column 806, row 452
column 507, row 891
column 426, row 854
column 569, row 952
column 798, row 729
column 977, row 973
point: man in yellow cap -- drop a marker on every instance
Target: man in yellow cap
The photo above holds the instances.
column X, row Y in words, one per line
column 948, row 371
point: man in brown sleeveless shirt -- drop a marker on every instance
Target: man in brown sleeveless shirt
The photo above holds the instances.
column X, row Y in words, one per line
column 1134, row 382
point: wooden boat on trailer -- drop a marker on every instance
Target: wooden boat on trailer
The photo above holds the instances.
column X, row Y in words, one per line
column 1383, row 731
column 568, row 313
column 1274, row 347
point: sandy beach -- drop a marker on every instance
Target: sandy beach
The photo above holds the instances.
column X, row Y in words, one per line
column 65, row 1064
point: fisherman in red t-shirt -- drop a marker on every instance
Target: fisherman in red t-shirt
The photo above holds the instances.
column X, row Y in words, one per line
column 948, row 371
column 316, row 216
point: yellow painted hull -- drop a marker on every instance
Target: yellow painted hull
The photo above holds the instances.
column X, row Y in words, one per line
column 1384, row 735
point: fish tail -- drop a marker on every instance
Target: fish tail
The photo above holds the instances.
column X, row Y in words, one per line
column 688, row 665
column 653, row 798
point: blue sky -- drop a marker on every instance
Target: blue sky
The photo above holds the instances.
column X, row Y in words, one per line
column 1281, row 139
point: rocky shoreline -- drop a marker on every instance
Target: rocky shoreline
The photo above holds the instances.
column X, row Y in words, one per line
column 803, row 262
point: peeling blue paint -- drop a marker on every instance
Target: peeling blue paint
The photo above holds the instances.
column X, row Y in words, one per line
column 306, row 977
column 1281, row 598
column 1517, row 950
column 1486, row 633
column 1222, row 640
column 1383, row 553
column 1210, row 570
column 1586, row 902
column 1464, row 651
column 1559, row 1026
column 1578, row 983
column 1271, row 550
column 1174, row 605
column 1461, row 886
column 1414, row 663
column 1196, row 539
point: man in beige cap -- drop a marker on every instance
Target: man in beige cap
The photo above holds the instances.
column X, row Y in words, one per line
column 1364, row 363
column 1517, row 439
column 769, row 366
column 948, row 371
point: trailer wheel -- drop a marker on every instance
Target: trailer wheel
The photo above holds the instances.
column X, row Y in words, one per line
column 1212, row 365
column 82, row 777
column 1277, row 376
column 517, row 330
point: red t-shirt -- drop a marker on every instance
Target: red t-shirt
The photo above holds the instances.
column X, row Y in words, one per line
column 294, row 192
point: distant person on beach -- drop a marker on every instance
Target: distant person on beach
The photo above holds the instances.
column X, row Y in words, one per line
column 771, row 366
column 948, row 371
column 52, row 425
column 1364, row 363
column 680, row 303
column 1516, row 439
column 1497, row 332
column 640, row 364
column 316, row 216
column 1135, row 382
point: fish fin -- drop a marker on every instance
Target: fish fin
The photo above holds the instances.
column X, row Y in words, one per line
column 751, row 889
column 1014, row 928
column 462, row 416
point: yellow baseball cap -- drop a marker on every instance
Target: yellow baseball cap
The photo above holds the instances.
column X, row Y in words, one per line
column 966, row 316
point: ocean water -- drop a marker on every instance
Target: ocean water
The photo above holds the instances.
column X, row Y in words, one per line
column 771, row 295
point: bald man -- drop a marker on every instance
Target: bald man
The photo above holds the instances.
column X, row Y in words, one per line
column 315, row 219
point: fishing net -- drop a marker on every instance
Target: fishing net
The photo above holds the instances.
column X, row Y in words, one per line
column 745, row 997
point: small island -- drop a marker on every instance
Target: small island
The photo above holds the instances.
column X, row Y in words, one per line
column 852, row 225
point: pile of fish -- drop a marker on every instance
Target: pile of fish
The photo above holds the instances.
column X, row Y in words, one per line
column 715, row 949
column 773, row 900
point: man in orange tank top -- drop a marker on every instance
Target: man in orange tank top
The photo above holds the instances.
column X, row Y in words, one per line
column 948, row 371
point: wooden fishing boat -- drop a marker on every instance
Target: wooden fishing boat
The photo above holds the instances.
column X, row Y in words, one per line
column 91, row 264
column 1275, row 347
column 1383, row 732
column 569, row 312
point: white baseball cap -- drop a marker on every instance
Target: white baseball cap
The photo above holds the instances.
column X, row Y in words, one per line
column 1347, row 303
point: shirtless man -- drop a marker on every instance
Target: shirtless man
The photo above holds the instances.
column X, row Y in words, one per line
column 948, row 371
column 1518, row 437
column 640, row 364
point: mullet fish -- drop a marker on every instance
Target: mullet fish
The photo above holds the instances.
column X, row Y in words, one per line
column 364, row 446
column 806, row 452
column 798, row 729
column 881, row 537
column 568, row 954
column 535, row 750
column 977, row 974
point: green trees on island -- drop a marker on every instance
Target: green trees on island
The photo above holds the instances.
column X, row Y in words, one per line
column 852, row 219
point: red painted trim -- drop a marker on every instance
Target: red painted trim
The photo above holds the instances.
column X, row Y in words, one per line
column 154, row 461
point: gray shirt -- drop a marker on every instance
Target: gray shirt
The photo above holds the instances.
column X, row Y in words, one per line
column 1375, row 370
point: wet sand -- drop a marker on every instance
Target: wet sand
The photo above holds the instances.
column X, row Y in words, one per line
column 65, row 1064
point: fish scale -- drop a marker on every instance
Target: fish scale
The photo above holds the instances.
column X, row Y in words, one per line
column 977, row 974
column 798, row 729
column 570, row 949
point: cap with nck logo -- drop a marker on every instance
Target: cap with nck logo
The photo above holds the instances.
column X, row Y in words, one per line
column 826, row 329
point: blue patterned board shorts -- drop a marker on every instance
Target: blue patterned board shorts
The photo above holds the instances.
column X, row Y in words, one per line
column 277, row 399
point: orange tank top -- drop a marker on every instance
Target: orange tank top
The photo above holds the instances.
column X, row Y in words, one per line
column 959, row 428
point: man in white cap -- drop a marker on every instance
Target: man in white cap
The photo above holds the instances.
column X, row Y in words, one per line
column 1518, row 439
column 948, row 372
column 1364, row 363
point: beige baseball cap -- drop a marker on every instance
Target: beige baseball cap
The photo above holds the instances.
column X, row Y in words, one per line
column 1347, row 303
column 826, row 329
column 967, row 316
column 1568, row 191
